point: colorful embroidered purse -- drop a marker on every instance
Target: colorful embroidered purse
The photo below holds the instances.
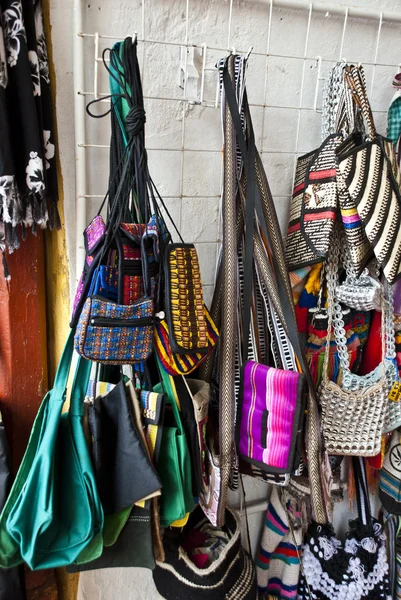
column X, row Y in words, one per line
column 271, row 412
column 116, row 334
column 182, row 364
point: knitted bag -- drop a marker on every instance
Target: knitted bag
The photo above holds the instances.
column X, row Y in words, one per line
column 356, row 571
column 230, row 576
column 277, row 563
column 314, row 206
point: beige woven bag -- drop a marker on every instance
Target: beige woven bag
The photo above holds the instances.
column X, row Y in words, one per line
column 352, row 419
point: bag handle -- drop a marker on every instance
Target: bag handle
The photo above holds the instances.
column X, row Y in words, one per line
column 80, row 383
column 171, row 393
column 355, row 80
column 362, row 493
column 248, row 157
column 79, row 387
column 281, row 293
column 58, row 390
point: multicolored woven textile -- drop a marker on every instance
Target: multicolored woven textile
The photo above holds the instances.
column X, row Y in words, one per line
column 277, row 563
column 94, row 233
column 269, row 415
column 115, row 333
column 184, row 300
column 182, row 364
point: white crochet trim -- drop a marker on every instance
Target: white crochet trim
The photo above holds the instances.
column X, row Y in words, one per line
column 358, row 586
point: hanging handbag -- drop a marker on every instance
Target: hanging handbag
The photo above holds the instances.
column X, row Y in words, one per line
column 185, row 333
column 377, row 198
column 271, row 401
column 271, row 409
column 314, row 206
column 184, row 304
column 230, row 576
column 123, row 470
column 113, row 333
column 53, row 515
column 177, row 363
column 277, row 562
column 357, row 570
column 271, row 273
column 353, row 414
column 127, row 535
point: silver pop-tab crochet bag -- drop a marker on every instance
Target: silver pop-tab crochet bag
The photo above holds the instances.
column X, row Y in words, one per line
column 353, row 413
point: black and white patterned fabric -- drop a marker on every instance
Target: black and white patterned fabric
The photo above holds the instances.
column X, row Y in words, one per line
column 28, row 180
column 357, row 570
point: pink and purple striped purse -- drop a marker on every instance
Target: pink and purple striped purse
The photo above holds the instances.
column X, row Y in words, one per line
column 271, row 412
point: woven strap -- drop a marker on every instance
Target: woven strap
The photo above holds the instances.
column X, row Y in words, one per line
column 279, row 288
column 355, row 80
column 228, row 332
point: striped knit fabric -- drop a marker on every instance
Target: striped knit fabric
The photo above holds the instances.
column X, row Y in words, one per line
column 277, row 563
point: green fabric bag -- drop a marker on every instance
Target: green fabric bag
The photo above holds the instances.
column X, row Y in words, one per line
column 53, row 515
column 174, row 464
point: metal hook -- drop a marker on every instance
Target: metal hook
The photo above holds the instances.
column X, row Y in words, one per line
column 248, row 54
column 319, row 78
column 204, row 53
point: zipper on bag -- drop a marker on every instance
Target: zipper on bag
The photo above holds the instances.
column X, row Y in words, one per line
column 109, row 322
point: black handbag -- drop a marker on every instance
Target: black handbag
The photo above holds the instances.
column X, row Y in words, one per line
column 123, row 469
column 231, row 576
column 357, row 570
column 133, row 547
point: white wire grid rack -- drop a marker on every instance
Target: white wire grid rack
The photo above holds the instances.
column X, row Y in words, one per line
column 291, row 54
